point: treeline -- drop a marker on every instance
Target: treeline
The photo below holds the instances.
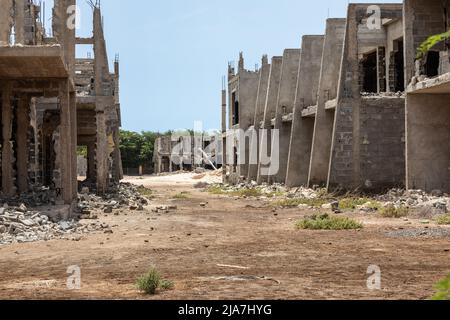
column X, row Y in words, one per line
column 137, row 148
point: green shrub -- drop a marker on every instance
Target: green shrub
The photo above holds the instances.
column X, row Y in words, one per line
column 443, row 289
column 145, row 192
column 292, row 203
column 325, row 222
column 444, row 220
column 152, row 281
column 393, row 212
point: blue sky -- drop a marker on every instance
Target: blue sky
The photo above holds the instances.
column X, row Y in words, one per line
column 173, row 53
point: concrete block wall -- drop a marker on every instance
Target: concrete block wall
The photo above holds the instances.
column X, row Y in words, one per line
column 346, row 152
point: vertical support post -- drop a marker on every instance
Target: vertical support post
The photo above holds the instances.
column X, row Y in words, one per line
column 7, row 152
column 23, row 124
column 65, row 146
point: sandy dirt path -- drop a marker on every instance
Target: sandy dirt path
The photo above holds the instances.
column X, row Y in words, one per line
column 230, row 249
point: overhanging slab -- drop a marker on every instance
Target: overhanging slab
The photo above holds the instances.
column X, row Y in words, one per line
column 32, row 62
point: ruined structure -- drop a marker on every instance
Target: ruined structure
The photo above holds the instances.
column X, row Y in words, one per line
column 51, row 102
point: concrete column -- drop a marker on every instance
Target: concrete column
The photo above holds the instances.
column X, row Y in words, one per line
column 19, row 26
column 6, row 21
column 91, row 162
column 306, row 95
column 117, row 160
column 269, row 114
column 65, row 144
column 259, row 115
column 7, row 151
column 23, row 125
column 73, row 143
column 285, row 106
column 101, row 154
column 327, row 92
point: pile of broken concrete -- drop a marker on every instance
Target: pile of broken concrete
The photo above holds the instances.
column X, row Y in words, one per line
column 123, row 196
column 21, row 225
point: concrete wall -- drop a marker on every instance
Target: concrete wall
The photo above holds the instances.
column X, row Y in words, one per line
column 428, row 136
column 285, row 106
column 306, row 95
column 269, row 113
column 329, row 78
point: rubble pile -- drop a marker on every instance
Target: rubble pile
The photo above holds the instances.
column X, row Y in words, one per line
column 18, row 224
column 123, row 196
column 435, row 203
column 21, row 225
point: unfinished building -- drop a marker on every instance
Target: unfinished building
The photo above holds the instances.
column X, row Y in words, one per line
column 428, row 96
column 368, row 137
column 242, row 91
column 40, row 102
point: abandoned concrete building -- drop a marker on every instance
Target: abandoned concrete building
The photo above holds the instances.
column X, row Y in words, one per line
column 339, row 105
column 183, row 151
column 53, row 102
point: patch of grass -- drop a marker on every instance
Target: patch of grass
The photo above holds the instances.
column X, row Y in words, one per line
column 292, row 203
column 181, row 196
column 325, row 222
column 351, row 203
column 145, row 192
column 253, row 192
column 393, row 212
column 442, row 290
column 444, row 220
column 150, row 282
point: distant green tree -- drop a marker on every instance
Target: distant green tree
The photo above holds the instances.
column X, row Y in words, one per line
column 137, row 148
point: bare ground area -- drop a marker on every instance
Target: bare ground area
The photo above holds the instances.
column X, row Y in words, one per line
column 230, row 249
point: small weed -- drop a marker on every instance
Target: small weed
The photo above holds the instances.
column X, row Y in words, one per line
column 393, row 212
column 145, row 192
column 253, row 192
column 444, row 220
column 442, row 290
column 352, row 203
column 325, row 222
column 152, row 281
column 181, row 196
column 292, row 203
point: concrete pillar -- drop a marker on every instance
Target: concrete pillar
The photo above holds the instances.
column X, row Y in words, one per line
column 19, row 26
column 101, row 154
column 269, row 114
column 8, row 187
column 65, row 144
column 327, row 92
column 6, row 21
column 73, row 143
column 23, row 125
column 285, row 107
column 91, row 162
column 306, row 95
column 259, row 116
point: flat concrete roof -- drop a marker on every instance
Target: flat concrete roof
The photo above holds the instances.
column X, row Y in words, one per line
column 437, row 85
column 32, row 62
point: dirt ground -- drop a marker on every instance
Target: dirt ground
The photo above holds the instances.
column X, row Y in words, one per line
column 230, row 249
